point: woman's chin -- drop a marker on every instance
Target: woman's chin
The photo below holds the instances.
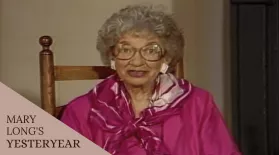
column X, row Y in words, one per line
column 137, row 82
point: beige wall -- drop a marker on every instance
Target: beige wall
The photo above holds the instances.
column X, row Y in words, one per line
column 73, row 25
column 206, row 27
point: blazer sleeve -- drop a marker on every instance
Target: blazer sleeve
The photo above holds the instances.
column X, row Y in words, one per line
column 214, row 134
column 75, row 116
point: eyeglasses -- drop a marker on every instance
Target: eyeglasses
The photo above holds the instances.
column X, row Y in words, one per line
column 150, row 52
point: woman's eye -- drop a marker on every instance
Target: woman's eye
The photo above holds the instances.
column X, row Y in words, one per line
column 151, row 51
column 125, row 50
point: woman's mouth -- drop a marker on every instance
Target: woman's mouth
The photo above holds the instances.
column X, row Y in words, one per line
column 136, row 73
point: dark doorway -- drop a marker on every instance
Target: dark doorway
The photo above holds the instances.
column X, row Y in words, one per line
column 255, row 70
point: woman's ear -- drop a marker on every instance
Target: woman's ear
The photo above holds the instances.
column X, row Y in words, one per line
column 112, row 64
column 165, row 65
column 109, row 54
column 164, row 68
column 111, row 58
column 167, row 60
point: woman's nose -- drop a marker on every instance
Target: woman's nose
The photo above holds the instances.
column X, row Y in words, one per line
column 137, row 60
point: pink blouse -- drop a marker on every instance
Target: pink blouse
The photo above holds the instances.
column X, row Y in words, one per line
column 197, row 128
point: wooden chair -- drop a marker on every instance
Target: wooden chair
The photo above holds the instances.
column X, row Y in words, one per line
column 49, row 73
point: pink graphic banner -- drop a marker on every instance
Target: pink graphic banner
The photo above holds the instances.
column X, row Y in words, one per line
column 26, row 129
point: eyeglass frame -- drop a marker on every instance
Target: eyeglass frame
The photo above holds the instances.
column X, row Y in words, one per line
column 135, row 50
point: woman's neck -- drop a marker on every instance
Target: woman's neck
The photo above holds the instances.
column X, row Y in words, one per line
column 140, row 96
column 139, row 93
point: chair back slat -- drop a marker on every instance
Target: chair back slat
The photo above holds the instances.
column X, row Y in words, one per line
column 66, row 73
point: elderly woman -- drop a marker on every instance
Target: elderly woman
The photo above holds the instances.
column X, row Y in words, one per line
column 143, row 109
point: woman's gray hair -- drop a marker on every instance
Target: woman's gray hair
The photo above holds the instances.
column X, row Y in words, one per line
column 141, row 18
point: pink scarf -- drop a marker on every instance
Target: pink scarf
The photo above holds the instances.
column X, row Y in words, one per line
column 111, row 108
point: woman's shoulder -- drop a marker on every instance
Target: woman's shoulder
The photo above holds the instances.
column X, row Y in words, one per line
column 200, row 93
column 195, row 92
column 83, row 101
column 198, row 99
column 75, row 115
column 79, row 105
column 199, row 106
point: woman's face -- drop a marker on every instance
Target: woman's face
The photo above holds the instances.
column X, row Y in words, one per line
column 138, row 59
